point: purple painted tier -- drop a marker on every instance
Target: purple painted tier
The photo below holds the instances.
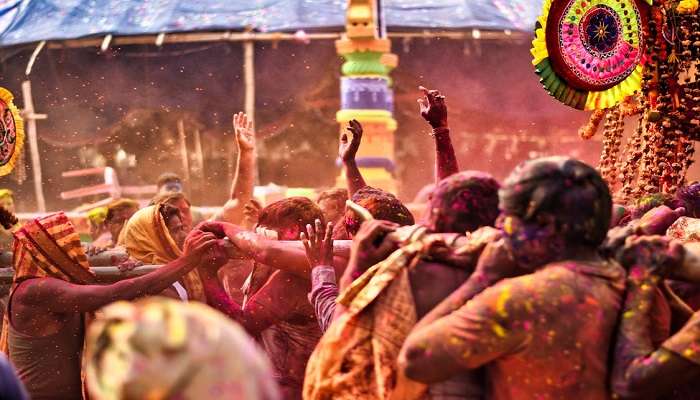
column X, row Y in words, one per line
column 366, row 94
column 372, row 162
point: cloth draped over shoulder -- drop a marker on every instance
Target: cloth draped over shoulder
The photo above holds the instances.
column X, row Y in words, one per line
column 366, row 339
column 146, row 238
column 357, row 356
column 47, row 247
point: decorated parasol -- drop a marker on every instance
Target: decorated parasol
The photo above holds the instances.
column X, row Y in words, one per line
column 11, row 132
column 589, row 53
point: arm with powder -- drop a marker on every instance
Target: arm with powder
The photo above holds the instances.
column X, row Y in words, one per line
column 640, row 370
column 244, row 182
column 434, row 110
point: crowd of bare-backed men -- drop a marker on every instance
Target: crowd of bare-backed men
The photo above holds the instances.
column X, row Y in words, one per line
column 535, row 288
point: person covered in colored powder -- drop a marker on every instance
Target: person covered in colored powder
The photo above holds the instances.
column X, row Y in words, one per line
column 540, row 311
column 52, row 293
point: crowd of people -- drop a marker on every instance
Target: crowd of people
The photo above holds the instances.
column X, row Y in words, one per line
column 539, row 287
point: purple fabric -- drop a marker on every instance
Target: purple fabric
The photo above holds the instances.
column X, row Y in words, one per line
column 324, row 292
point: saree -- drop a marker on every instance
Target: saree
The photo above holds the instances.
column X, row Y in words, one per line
column 146, row 238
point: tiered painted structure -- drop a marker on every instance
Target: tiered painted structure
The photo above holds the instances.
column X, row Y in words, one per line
column 366, row 93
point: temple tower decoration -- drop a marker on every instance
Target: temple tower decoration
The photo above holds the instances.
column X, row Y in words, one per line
column 366, row 93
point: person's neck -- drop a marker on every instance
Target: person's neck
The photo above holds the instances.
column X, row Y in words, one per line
column 580, row 253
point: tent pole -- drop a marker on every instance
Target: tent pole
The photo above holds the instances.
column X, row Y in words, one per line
column 31, row 118
column 32, row 59
column 249, row 77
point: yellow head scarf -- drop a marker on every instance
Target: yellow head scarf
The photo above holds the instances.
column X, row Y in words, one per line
column 6, row 193
column 146, row 238
column 157, row 348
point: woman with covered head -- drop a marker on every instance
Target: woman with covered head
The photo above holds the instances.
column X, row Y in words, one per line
column 155, row 235
column 163, row 349
column 52, row 292
column 540, row 292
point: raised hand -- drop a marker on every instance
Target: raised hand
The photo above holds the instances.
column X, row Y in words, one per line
column 373, row 243
column 217, row 228
column 496, row 262
column 651, row 255
column 655, row 222
column 348, row 149
column 243, row 129
column 197, row 244
column 318, row 243
column 251, row 212
column 433, row 108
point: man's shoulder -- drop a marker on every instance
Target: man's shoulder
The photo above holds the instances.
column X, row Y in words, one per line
column 563, row 277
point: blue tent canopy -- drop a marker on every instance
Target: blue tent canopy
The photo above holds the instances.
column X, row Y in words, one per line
column 27, row 21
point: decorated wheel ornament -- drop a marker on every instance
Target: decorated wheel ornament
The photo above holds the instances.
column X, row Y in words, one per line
column 589, row 53
column 11, row 132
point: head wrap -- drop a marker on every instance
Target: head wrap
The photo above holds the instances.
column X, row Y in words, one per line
column 158, row 348
column 146, row 238
column 6, row 193
column 50, row 247
column 97, row 216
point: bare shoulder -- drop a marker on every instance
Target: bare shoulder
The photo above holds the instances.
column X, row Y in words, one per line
column 443, row 279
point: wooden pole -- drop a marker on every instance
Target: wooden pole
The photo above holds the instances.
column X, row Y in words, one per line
column 199, row 152
column 183, row 151
column 249, row 78
column 30, row 118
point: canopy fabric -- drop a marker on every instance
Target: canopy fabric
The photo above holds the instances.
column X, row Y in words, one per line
column 27, row 21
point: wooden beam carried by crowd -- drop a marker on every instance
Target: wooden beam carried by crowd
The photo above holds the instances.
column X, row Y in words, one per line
column 104, row 274
column 103, row 264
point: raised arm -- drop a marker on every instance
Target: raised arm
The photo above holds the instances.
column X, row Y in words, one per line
column 324, row 285
column 244, row 181
column 434, row 110
column 347, row 153
column 59, row 296
column 640, row 370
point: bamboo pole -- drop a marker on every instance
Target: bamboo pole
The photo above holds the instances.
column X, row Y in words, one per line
column 201, row 37
column 30, row 117
column 249, row 78
column 183, row 151
column 199, row 153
